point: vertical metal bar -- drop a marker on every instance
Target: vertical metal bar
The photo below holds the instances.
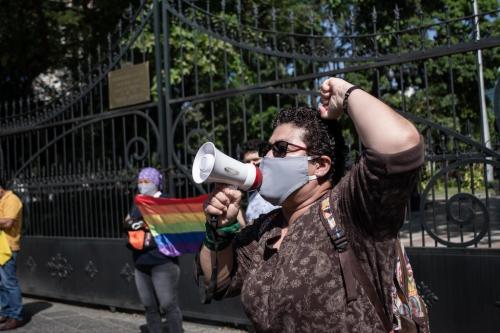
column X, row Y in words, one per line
column 473, row 190
column 59, row 194
column 114, row 211
column 135, row 129
column 148, row 136
column 168, row 116
column 159, row 83
column 459, row 189
column 228, row 148
column 106, row 218
column 87, row 221
column 103, row 145
column 124, row 141
column 375, row 44
column 446, row 182
column 93, row 215
column 100, row 205
column 41, row 230
column 210, row 78
column 16, row 159
column 275, row 47
column 78, row 221
column 113, row 143
column 184, row 139
column 398, row 50
column 450, row 71
column 293, row 47
column 131, row 29
column 485, row 129
column 243, row 97
column 259, row 72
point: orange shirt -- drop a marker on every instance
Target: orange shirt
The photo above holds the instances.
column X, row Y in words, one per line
column 11, row 207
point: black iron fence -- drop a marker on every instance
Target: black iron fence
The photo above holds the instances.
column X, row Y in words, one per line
column 413, row 65
column 228, row 72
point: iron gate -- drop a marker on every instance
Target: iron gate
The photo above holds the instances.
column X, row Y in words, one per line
column 221, row 71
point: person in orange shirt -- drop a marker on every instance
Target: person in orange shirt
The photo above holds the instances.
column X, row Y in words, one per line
column 11, row 214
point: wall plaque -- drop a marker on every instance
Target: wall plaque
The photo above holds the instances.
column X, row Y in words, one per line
column 129, row 85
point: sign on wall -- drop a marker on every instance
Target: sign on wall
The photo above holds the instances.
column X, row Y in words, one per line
column 129, row 85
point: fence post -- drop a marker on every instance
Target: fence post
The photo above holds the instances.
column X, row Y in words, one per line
column 485, row 130
column 159, row 88
column 168, row 110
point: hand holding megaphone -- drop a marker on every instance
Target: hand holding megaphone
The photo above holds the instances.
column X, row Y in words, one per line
column 211, row 165
column 222, row 205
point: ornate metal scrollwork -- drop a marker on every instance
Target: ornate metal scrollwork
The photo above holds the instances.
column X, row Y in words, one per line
column 460, row 210
column 31, row 264
column 127, row 273
column 91, row 269
column 195, row 138
column 463, row 217
column 59, row 267
column 135, row 155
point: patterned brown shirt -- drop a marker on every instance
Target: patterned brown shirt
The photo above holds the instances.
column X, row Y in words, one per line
column 299, row 288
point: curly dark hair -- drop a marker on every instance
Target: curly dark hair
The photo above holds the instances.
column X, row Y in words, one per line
column 322, row 137
column 250, row 146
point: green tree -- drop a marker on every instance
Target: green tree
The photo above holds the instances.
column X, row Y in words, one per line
column 36, row 36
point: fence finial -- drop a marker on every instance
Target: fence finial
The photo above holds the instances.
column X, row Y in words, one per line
column 396, row 12
column 256, row 14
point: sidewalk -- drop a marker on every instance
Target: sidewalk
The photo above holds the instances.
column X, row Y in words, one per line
column 45, row 316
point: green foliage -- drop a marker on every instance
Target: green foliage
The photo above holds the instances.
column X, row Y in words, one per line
column 37, row 36
column 467, row 179
column 474, row 179
column 203, row 64
column 195, row 56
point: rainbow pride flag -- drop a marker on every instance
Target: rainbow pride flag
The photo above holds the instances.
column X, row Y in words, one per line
column 178, row 225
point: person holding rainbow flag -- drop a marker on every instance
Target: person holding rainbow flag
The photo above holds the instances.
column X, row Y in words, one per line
column 156, row 272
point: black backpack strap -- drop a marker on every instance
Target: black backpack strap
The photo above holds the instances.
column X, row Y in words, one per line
column 350, row 266
column 341, row 244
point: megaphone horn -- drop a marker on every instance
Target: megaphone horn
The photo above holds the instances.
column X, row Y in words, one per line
column 212, row 165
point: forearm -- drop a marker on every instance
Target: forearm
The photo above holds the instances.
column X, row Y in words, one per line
column 379, row 126
column 241, row 219
column 225, row 259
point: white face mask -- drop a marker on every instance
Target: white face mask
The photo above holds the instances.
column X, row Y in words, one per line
column 147, row 189
column 283, row 176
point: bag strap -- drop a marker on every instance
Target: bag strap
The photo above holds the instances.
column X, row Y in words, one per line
column 402, row 264
column 349, row 263
column 341, row 244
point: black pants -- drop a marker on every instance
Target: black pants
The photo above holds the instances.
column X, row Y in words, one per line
column 157, row 286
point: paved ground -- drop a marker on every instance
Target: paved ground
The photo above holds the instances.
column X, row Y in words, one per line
column 45, row 316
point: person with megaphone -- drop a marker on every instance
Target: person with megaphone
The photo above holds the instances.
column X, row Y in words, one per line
column 324, row 262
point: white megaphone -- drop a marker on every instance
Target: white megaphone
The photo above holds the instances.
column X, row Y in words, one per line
column 211, row 165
